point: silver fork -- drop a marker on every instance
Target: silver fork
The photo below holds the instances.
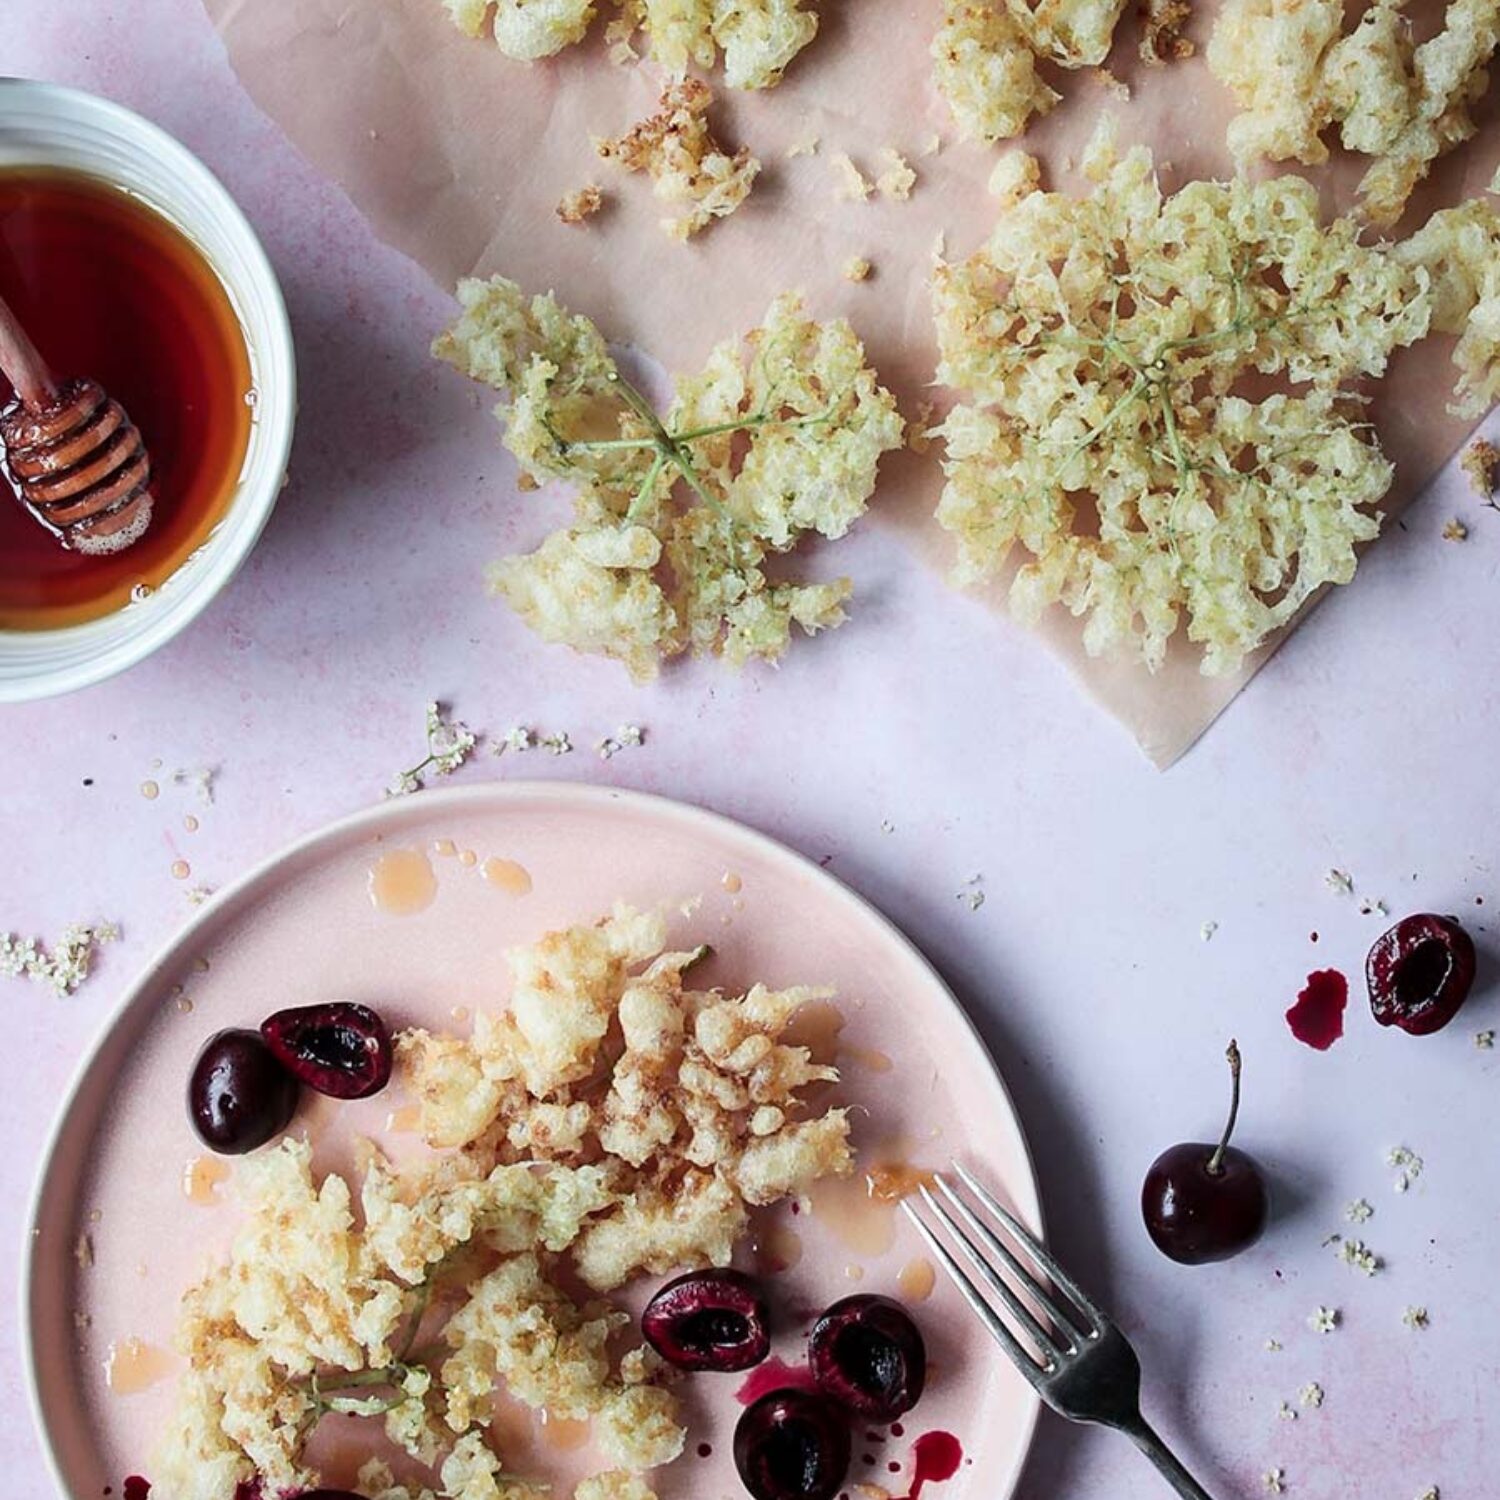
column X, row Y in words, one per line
column 1084, row 1367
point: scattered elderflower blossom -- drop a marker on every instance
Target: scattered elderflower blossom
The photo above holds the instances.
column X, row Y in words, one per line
column 676, row 516
column 65, row 965
column 1207, row 930
column 1340, row 882
column 198, row 894
column 1357, row 1254
column 1454, row 530
column 1286, row 1412
column 556, row 744
column 1408, row 1167
column 758, row 38
column 1105, row 344
column 1372, row 906
column 1294, row 73
column 1311, row 1394
column 517, row 739
column 1323, row 1319
column 1274, row 1480
column 1484, row 1040
column 625, row 737
column 449, row 745
column 1430, row 1493
column 1360, row 1211
column 973, row 892
column 1273, row 1346
column 1415, row 1318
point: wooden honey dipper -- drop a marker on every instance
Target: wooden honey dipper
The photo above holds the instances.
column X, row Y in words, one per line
column 77, row 461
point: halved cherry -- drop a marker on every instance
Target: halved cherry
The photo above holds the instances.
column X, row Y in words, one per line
column 340, row 1049
column 1419, row 973
column 868, row 1355
column 792, row 1445
column 709, row 1320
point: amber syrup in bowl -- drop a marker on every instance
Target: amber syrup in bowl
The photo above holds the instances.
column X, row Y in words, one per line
column 108, row 287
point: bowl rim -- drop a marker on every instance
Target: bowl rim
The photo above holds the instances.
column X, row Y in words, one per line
column 1025, row 1193
column 252, row 508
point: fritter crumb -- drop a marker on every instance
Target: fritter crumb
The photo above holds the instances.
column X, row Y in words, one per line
column 852, row 185
column 1481, row 463
column 581, row 204
column 857, row 268
column 806, row 145
column 985, row 67
column 897, row 178
column 686, row 164
column 1162, row 40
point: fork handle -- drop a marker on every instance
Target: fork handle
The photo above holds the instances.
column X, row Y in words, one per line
column 1145, row 1438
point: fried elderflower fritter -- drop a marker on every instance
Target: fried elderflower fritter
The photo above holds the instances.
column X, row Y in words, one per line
column 676, row 517
column 985, row 57
column 685, row 162
column 1295, row 73
column 610, row 1121
column 1157, row 413
column 758, row 38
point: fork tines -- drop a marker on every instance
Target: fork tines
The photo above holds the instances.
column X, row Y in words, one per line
column 1055, row 1328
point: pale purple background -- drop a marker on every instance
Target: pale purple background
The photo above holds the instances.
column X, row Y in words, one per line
column 1369, row 743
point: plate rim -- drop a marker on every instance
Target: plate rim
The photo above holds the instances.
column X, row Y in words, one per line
column 369, row 819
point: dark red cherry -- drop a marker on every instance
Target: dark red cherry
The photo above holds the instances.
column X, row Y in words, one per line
column 867, row 1354
column 1419, row 973
column 340, row 1049
column 709, row 1320
column 327, row 1495
column 1203, row 1202
column 239, row 1096
column 792, row 1445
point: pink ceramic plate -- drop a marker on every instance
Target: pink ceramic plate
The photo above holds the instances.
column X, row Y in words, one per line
column 116, row 1236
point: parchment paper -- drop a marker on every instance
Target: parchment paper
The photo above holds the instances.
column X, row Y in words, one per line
column 459, row 155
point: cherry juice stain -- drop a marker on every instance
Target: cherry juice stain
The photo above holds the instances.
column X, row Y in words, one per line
column 935, row 1457
column 774, row 1374
column 1318, row 1016
column 136, row 1488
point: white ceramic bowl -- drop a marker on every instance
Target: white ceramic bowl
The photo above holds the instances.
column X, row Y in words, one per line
column 42, row 124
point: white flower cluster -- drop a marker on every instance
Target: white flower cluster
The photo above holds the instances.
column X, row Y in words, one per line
column 62, row 967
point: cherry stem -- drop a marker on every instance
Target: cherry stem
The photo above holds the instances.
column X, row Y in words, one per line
column 1216, row 1161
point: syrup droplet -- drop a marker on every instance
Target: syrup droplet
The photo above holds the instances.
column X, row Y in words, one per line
column 201, row 1178
column 402, row 882
column 506, row 875
column 777, row 1248
column 1318, row 1016
column 133, row 1366
column 854, row 1272
column 181, row 869
column 468, row 859
column 732, row 883
column 445, row 847
column 917, row 1279
column 868, row 1059
column 816, row 1026
column 562, row 1434
column 150, row 791
column 190, row 823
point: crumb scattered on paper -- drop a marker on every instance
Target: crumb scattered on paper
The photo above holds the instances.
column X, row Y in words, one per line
column 686, row 164
column 897, row 177
column 857, row 268
column 582, row 204
column 1455, row 531
column 1481, row 462
column 1162, row 21
column 1207, row 930
column 806, row 145
column 851, row 185
column 62, row 967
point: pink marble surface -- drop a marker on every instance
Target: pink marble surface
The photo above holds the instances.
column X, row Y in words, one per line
column 926, row 742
